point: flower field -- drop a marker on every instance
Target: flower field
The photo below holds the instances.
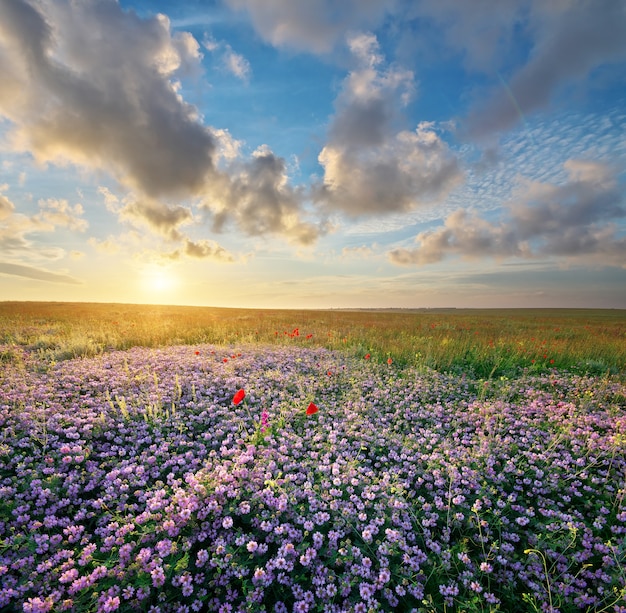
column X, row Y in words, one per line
column 258, row 477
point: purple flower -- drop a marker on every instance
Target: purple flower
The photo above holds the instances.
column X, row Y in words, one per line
column 110, row 604
column 252, row 546
column 158, row 576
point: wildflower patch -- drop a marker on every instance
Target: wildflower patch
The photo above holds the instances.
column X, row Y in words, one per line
column 185, row 479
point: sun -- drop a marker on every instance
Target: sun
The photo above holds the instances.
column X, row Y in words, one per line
column 158, row 279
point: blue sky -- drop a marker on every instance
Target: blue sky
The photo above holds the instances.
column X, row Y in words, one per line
column 314, row 153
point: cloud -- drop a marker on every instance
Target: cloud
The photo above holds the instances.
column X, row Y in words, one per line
column 565, row 41
column 233, row 62
column 91, row 84
column 237, row 64
column 574, row 221
column 38, row 274
column 159, row 217
column 7, row 208
column 361, row 251
column 59, row 213
column 480, row 31
column 257, row 196
column 371, row 167
column 109, row 246
column 17, row 230
column 313, row 25
column 569, row 39
column 202, row 250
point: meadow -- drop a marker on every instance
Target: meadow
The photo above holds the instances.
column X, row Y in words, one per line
column 186, row 459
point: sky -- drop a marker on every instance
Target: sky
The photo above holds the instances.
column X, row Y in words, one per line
column 314, row 153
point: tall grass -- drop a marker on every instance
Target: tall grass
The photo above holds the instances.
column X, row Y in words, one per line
column 483, row 343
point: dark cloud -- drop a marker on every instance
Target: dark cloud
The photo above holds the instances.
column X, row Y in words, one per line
column 38, row 274
column 573, row 220
column 371, row 167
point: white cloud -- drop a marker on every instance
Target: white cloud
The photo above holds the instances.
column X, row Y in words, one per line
column 371, row 167
column 90, row 84
column 257, row 196
column 572, row 221
column 237, row 64
column 59, row 213
column 6, row 206
column 19, row 233
column 231, row 61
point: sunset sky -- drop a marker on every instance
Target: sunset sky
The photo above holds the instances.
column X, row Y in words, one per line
column 314, row 153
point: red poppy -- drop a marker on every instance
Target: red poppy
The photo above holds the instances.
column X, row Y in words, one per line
column 238, row 397
column 367, row 356
column 197, row 353
column 311, row 409
column 389, row 361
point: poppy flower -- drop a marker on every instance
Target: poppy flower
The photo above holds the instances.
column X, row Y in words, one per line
column 238, row 397
column 367, row 356
column 311, row 409
column 197, row 353
column 389, row 361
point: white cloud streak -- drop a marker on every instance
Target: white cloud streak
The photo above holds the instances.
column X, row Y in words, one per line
column 38, row 274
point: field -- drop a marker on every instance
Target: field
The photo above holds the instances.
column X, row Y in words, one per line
column 188, row 459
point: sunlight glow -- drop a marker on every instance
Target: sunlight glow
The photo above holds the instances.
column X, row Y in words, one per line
column 157, row 279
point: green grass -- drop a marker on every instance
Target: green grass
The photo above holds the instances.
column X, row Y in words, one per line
column 482, row 343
